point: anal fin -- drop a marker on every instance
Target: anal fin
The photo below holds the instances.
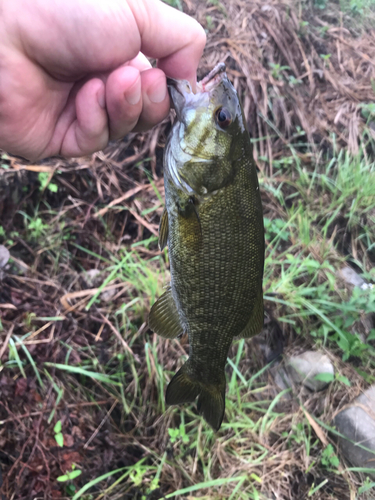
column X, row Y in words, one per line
column 255, row 323
column 163, row 318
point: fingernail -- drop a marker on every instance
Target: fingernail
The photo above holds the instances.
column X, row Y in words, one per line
column 133, row 94
column 101, row 97
column 158, row 91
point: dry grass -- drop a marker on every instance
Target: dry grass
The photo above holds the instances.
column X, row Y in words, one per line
column 116, row 418
column 296, row 70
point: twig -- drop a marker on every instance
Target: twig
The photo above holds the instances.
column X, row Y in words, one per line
column 118, row 334
column 101, row 424
column 84, row 293
column 4, row 346
column 144, row 223
column 122, row 198
column 36, row 413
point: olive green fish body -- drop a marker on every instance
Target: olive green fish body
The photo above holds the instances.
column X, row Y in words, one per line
column 215, row 236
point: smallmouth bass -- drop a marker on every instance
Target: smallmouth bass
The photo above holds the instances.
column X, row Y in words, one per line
column 213, row 226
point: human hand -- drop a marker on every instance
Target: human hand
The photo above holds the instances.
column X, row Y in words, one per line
column 73, row 75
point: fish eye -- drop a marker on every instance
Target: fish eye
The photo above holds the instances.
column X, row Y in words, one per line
column 223, row 117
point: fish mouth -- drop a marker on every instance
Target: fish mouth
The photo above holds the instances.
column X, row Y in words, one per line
column 213, row 79
column 182, row 95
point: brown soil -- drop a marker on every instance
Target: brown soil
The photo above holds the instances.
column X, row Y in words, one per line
column 291, row 96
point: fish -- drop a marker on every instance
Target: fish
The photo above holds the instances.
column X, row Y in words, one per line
column 213, row 225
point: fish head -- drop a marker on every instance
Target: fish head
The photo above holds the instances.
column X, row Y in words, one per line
column 207, row 137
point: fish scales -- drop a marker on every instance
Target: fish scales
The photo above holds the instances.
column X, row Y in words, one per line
column 215, row 239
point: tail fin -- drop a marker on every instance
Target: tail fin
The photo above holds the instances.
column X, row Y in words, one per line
column 183, row 388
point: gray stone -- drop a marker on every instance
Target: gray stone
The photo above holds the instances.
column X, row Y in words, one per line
column 303, row 368
column 108, row 295
column 357, row 424
column 281, row 378
column 282, row 381
column 350, row 277
column 93, row 278
column 4, row 256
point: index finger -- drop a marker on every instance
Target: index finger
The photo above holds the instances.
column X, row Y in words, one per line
column 174, row 38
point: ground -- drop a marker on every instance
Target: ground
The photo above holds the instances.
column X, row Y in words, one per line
column 82, row 378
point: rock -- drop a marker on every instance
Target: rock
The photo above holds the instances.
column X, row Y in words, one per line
column 350, row 277
column 108, row 295
column 4, row 256
column 282, row 381
column 357, row 424
column 303, row 369
column 92, row 278
column 281, row 378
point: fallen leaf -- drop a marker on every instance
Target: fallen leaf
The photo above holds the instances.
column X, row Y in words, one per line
column 68, row 440
column 36, row 396
column 21, row 386
column 72, row 456
column 76, row 432
column 69, row 459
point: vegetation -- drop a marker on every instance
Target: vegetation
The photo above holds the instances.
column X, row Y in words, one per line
column 82, row 379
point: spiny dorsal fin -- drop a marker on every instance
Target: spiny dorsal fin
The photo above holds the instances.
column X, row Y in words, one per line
column 164, row 319
column 255, row 323
column 163, row 230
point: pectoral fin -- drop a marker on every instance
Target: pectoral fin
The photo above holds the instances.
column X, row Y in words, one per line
column 255, row 323
column 164, row 319
column 190, row 229
column 163, row 230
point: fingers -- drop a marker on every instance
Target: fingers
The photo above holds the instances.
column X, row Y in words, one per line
column 167, row 34
column 124, row 100
column 155, row 99
column 135, row 100
column 129, row 100
column 89, row 131
column 110, row 34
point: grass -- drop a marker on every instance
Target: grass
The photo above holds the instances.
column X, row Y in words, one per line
column 357, row 15
column 81, row 364
column 306, row 210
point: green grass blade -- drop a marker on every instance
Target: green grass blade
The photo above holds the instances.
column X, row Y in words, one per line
column 207, row 484
column 87, row 373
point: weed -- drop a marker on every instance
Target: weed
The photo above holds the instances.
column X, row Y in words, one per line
column 320, row 4
column 275, row 228
column 35, row 227
column 277, row 70
column 326, row 58
column 210, row 23
column 58, row 434
column 69, row 476
column 329, row 458
column 44, row 179
column 293, row 80
column 180, row 433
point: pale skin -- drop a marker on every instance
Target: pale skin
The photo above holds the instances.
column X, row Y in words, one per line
column 73, row 73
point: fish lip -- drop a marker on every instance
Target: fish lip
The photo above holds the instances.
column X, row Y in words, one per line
column 178, row 90
column 213, row 79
